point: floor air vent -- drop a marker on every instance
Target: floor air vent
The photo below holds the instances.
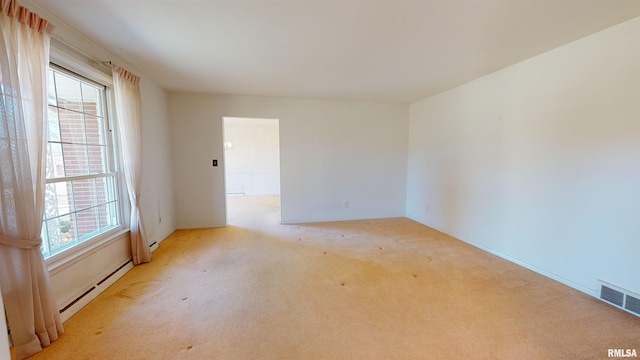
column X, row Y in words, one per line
column 632, row 304
column 619, row 297
column 611, row 295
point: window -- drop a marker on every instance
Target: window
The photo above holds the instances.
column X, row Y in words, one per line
column 81, row 195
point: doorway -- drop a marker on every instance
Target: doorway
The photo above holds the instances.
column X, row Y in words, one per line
column 252, row 170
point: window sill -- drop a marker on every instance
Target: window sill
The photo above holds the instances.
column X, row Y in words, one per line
column 63, row 260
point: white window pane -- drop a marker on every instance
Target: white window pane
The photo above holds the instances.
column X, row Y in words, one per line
column 111, row 189
column 65, row 197
column 92, row 100
column 107, row 216
column 54, row 125
column 75, row 159
column 97, row 161
column 61, row 233
column 71, row 126
column 55, row 162
column 58, row 199
column 87, row 221
column 102, row 138
column 103, row 216
column 101, row 190
column 94, row 130
column 84, row 192
column 50, row 201
column 68, row 91
column 114, row 214
column 54, row 236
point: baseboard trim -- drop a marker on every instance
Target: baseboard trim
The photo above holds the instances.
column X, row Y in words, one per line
column 319, row 221
column 560, row 279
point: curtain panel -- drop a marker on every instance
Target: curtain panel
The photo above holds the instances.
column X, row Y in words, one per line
column 126, row 88
column 24, row 57
column 4, row 339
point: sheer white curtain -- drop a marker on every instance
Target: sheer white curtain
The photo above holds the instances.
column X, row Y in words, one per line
column 24, row 56
column 4, row 339
column 126, row 88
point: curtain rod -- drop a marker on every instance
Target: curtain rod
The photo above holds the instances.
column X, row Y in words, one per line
column 90, row 59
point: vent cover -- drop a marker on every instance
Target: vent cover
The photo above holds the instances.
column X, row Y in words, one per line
column 611, row 295
column 633, row 304
column 621, row 298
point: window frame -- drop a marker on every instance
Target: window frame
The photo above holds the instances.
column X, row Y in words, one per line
column 61, row 61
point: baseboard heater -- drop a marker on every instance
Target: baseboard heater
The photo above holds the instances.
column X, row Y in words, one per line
column 620, row 298
column 84, row 294
column 153, row 246
column 94, row 287
column 91, row 289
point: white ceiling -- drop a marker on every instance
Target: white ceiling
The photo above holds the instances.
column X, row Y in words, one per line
column 389, row 51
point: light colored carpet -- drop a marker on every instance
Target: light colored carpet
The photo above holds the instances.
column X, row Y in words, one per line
column 378, row 289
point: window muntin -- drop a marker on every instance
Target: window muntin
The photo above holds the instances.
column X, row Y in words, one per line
column 81, row 198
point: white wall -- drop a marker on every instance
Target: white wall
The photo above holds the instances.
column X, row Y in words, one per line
column 540, row 162
column 252, row 164
column 331, row 152
column 73, row 278
column 156, row 196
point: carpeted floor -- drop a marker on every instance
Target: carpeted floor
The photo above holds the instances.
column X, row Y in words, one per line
column 378, row 289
